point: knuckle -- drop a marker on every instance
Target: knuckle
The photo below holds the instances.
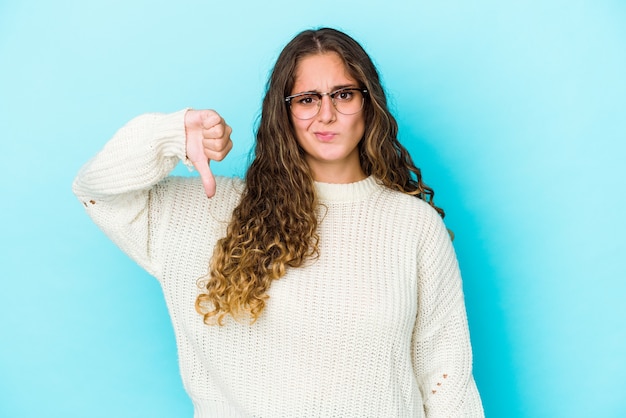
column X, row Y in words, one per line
column 211, row 118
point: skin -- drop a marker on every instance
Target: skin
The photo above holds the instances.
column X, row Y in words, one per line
column 330, row 139
column 207, row 138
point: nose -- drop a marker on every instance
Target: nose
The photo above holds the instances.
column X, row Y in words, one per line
column 327, row 109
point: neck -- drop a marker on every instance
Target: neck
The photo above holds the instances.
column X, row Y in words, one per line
column 338, row 174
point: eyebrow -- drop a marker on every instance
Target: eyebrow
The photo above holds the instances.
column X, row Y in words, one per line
column 335, row 88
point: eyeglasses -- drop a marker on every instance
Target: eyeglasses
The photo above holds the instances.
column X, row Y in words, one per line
column 306, row 105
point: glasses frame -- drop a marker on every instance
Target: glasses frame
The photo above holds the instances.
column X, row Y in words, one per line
column 331, row 94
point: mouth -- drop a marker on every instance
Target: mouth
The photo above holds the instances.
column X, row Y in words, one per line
column 325, row 136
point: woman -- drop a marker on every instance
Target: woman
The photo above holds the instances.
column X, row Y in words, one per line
column 325, row 284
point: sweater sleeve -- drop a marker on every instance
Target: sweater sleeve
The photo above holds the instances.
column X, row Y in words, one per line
column 116, row 186
column 442, row 353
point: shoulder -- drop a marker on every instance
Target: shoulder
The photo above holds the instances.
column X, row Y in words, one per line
column 418, row 216
column 416, row 207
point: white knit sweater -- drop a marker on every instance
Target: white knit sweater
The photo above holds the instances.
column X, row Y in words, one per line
column 376, row 327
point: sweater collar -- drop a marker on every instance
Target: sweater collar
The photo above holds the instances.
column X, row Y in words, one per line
column 346, row 192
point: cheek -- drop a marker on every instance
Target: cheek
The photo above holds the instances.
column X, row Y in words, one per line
column 300, row 127
column 358, row 127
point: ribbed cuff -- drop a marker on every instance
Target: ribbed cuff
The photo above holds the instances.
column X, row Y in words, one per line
column 169, row 130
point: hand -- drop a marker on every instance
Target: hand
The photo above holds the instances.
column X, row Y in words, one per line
column 208, row 138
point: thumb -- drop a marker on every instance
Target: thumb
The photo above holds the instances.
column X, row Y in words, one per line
column 208, row 180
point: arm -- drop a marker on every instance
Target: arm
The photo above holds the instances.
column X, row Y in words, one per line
column 117, row 186
column 442, row 353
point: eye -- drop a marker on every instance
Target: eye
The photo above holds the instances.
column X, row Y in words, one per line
column 344, row 95
column 306, row 100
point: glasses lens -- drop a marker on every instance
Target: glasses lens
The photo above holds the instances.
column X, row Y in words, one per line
column 348, row 101
column 305, row 106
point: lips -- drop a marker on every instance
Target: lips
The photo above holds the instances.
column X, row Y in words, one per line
column 325, row 136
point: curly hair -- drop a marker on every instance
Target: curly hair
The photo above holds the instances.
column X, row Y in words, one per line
column 275, row 224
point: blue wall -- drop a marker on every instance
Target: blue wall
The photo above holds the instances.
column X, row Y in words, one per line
column 516, row 112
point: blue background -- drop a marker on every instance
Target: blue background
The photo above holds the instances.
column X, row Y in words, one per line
column 516, row 112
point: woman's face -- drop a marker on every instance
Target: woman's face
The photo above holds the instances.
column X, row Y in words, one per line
column 330, row 139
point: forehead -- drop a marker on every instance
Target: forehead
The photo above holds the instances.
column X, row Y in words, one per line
column 322, row 72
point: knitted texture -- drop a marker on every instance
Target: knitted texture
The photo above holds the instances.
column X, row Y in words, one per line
column 375, row 327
